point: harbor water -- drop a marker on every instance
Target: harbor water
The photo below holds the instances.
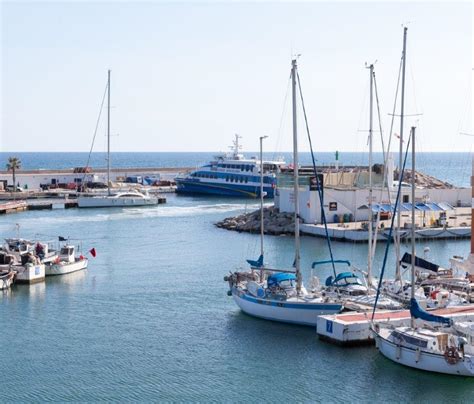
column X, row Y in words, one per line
column 151, row 320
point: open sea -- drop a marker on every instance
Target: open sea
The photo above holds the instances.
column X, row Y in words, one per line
column 150, row 320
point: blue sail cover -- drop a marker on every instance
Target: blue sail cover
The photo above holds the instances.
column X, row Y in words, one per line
column 275, row 279
column 417, row 312
column 341, row 276
column 256, row 264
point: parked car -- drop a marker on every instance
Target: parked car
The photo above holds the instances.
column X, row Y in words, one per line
column 10, row 188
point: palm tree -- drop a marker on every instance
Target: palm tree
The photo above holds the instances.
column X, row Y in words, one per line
column 13, row 164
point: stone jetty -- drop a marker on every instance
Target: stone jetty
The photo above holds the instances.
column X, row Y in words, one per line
column 274, row 222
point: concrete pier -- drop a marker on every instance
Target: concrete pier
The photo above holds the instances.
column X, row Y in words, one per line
column 458, row 225
column 353, row 329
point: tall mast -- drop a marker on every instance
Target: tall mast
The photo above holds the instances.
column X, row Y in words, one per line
column 404, row 57
column 261, row 194
column 296, row 179
column 371, row 215
column 413, row 232
column 108, row 132
column 472, row 208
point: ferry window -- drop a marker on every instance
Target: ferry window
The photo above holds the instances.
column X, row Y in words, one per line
column 406, row 198
column 241, row 168
column 246, row 180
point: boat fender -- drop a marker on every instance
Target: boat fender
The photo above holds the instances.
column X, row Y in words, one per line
column 417, row 355
column 81, row 257
column 451, row 355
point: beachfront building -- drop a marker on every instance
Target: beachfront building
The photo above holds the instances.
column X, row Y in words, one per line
column 345, row 194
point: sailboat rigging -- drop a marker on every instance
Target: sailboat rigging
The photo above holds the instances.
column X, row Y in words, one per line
column 114, row 199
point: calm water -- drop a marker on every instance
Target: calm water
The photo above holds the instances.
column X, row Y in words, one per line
column 451, row 167
column 150, row 319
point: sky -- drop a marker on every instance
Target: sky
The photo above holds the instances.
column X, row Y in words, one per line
column 186, row 76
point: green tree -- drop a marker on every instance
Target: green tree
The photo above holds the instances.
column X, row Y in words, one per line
column 13, row 165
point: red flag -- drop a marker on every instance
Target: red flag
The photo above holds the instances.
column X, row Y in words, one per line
column 93, row 252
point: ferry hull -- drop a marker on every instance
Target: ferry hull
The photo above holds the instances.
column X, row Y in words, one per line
column 246, row 191
column 98, row 202
column 285, row 312
column 66, row 267
column 422, row 360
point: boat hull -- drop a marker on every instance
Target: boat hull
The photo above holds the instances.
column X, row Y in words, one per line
column 286, row 312
column 29, row 273
column 235, row 190
column 6, row 280
column 98, row 202
column 66, row 267
column 423, row 360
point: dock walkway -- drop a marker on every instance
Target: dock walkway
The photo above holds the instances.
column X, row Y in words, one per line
column 352, row 329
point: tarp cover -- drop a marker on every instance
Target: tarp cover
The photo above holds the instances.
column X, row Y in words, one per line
column 339, row 277
column 419, row 262
column 417, row 312
column 275, row 279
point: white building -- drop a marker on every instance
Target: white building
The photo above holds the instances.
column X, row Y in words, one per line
column 346, row 194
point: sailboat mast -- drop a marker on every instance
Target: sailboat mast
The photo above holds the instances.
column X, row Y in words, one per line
column 404, row 56
column 371, row 215
column 296, row 179
column 472, row 207
column 108, row 132
column 413, row 228
column 261, row 194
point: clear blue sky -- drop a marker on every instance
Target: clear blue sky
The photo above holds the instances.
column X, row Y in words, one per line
column 187, row 76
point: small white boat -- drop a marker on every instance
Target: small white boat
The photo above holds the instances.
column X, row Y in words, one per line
column 114, row 199
column 428, row 349
column 6, row 278
column 66, row 262
column 120, row 199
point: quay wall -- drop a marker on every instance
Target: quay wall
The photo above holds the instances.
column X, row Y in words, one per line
column 32, row 179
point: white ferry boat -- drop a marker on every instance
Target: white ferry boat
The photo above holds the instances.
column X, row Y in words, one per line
column 231, row 174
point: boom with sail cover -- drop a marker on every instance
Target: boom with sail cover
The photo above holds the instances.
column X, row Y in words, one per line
column 417, row 312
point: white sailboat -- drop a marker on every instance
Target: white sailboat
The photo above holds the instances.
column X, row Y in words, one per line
column 347, row 286
column 279, row 294
column 114, row 199
column 447, row 349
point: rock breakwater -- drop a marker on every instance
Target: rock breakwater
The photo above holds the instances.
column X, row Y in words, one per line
column 274, row 222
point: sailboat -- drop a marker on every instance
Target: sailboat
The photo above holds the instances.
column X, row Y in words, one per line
column 398, row 289
column 347, row 286
column 278, row 294
column 114, row 199
column 447, row 348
